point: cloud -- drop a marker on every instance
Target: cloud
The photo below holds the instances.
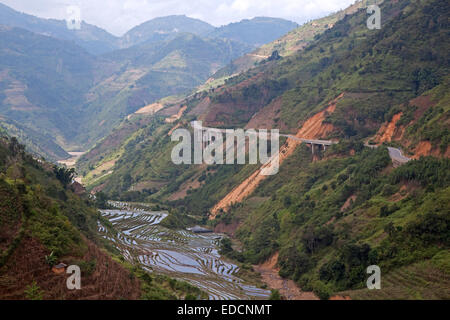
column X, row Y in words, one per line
column 118, row 16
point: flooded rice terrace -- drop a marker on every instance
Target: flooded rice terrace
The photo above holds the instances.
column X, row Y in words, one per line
column 179, row 254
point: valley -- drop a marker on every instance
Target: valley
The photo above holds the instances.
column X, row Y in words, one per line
column 88, row 176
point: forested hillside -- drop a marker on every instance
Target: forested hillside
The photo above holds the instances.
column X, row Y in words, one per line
column 45, row 220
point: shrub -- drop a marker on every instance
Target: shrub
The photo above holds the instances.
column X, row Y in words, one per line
column 275, row 295
column 322, row 290
column 51, row 259
column 33, row 292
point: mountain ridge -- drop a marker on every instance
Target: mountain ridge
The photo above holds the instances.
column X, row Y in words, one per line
column 98, row 41
column 90, row 37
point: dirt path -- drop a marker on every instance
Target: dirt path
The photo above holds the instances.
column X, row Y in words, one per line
column 287, row 288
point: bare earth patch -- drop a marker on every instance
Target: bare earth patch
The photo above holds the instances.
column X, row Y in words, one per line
column 287, row 288
column 348, row 203
column 177, row 116
column 150, row 109
column 387, row 130
column 181, row 193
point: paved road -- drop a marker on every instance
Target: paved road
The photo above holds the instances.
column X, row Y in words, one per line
column 397, row 155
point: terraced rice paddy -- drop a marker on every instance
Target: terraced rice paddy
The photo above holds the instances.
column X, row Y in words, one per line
column 178, row 253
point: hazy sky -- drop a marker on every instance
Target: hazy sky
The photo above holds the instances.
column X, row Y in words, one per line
column 118, row 16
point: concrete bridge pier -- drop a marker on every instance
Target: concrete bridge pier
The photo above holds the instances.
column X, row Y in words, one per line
column 314, row 146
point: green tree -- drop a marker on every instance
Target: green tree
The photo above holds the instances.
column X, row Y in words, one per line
column 65, row 176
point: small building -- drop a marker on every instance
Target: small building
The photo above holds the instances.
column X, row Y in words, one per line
column 59, row 268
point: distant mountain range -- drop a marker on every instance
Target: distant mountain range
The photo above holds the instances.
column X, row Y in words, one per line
column 95, row 40
column 164, row 28
column 91, row 38
column 257, row 31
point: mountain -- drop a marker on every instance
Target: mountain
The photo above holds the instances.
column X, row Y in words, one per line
column 328, row 214
column 37, row 143
column 93, row 39
column 86, row 95
column 149, row 72
column 164, row 28
column 288, row 44
column 43, row 80
column 256, row 32
column 55, row 87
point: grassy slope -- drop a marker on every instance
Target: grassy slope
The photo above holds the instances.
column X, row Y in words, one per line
column 349, row 58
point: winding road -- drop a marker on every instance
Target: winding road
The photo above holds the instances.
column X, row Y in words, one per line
column 196, row 125
column 397, row 155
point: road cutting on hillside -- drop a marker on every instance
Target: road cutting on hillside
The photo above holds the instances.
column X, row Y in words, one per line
column 313, row 128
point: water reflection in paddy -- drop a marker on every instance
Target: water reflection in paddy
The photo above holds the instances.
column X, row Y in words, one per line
column 178, row 253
